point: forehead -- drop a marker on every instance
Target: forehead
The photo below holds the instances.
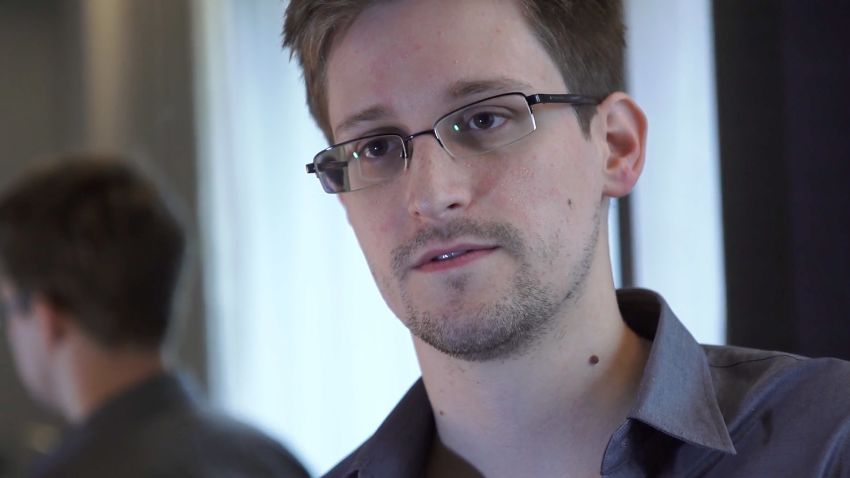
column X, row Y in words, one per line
column 407, row 58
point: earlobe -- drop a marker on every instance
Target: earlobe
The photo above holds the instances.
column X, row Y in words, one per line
column 625, row 136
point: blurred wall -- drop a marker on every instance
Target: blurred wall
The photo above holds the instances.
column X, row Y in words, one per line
column 78, row 75
column 29, row 33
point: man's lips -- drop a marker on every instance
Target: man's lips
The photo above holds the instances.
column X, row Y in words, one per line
column 461, row 253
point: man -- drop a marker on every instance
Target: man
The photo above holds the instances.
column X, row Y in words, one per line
column 90, row 260
column 477, row 144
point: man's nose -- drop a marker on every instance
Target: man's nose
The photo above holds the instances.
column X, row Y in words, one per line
column 439, row 186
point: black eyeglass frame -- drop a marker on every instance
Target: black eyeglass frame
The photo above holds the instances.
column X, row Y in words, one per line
column 535, row 99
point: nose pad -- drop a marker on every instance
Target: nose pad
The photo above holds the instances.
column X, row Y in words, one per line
column 438, row 187
column 408, row 141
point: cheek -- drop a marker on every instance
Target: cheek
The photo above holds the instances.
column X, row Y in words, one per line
column 528, row 183
column 375, row 227
column 566, row 177
column 23, row 354
column 14, row 338
column 387, row 224
column 550, row 191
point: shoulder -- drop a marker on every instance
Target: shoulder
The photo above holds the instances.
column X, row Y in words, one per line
column 738, row 372
column 224, row 443
column 187, row 442
column 784, row 409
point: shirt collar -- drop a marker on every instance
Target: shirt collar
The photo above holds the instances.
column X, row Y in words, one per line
column 676, row 395
column 400, row 445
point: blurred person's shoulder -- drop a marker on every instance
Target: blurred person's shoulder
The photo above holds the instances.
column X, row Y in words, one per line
column 202, row 441
column 240, row 449
column 162, row 428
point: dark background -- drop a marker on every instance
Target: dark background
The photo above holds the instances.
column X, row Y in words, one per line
column 783, row 89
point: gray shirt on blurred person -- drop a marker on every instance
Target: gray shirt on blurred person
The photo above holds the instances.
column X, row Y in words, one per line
column 160, row 429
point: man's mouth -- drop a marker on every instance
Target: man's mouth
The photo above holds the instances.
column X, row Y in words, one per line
column 449, row 255
column 455, row 256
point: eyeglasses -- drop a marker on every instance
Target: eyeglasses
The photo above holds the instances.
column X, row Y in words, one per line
column 471, row 130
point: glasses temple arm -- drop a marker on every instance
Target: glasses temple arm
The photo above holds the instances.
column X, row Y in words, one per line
column 578, row 100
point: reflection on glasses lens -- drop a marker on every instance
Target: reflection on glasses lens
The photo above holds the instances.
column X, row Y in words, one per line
column 331, row 172
column 360, row 163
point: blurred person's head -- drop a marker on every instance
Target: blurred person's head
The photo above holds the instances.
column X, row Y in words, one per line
column 90, row 258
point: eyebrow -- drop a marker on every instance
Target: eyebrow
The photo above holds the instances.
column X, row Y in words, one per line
column 372, row 113
column 464, row 88
column 458, row 89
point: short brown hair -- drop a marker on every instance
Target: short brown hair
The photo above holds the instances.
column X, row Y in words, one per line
column 585, row 38
column 98, row 240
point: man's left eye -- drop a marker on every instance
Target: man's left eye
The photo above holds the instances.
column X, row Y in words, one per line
column 481, row 121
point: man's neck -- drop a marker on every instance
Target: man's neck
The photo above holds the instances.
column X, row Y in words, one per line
column 91, row 376
column 549, row 410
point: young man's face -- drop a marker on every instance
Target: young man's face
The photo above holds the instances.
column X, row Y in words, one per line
column 475, row 255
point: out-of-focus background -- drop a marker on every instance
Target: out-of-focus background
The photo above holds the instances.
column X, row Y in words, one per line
column 740, row 220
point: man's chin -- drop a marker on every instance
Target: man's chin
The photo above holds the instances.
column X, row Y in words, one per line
column 471, row 321
column 471, row 337
column 476, row 350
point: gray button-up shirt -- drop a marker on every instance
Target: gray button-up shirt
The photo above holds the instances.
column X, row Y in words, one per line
column 701, row 410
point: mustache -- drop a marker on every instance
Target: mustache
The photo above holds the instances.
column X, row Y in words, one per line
column 506, row 236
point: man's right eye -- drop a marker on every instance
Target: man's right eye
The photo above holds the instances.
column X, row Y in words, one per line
column 375, row 148
column 484, row 121
column 381, row 148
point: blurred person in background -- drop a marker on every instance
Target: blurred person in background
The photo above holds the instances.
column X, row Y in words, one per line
column 91, row 258
column 476, row 146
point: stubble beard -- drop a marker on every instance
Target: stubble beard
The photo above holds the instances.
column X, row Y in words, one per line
column 506, row 327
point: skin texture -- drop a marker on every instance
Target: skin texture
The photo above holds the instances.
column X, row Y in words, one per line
column 24, row 336
column 503, row 337
column 514, row 199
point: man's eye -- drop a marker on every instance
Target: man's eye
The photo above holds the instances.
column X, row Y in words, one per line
column 480, row 121
column 376, row 148
column 485, row 121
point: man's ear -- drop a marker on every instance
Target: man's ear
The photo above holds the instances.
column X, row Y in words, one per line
column 624, row 129
column 53, row 322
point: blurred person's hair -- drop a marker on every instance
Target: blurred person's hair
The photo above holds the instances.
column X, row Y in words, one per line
column 97, row 240
column 585, row 39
